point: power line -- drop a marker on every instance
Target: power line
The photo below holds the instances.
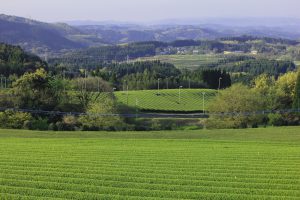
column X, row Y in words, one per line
column 154, row 115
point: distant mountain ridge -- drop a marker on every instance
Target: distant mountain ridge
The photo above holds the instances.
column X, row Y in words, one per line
column 48, row 38
column 32, row 34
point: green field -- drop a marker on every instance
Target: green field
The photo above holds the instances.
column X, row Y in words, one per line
column 188, row 61
column 216, row 164
column 167, row 100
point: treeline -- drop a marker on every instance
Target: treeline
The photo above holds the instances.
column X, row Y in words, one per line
column 260, row 66
column 270, row 40
column 146, row 75
column 268, row 101
column 97, row 56
column 249, row 69
column 13, row 60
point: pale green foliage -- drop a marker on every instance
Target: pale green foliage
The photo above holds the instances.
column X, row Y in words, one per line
column 37, row 91
column 102, row 115
column 11, row 119
column 235, row 102
column 276, row 119
column 265, row 86
column 263, row 82
column 285, row 86
column 277, row 94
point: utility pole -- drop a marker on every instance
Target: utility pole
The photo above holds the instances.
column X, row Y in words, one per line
column 158, row 85
column 179, row 94
column 113, row 90
column 127, row 95
column 189, row 83
column 219, row 84
column 167, row 83
column 136, row 107
column 203, row 103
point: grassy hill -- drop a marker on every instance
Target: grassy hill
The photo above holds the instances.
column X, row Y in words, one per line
column 188, row 61
column 166, row 100
column 207, row 164
column 33, row 34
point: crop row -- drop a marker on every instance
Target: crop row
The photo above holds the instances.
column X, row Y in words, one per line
column 148, row 169
column 166, row 184
column 275, row 175
column 126, row 190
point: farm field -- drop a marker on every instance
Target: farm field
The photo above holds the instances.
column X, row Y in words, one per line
column 167, row 100
column 207, row 164
column 188, row 61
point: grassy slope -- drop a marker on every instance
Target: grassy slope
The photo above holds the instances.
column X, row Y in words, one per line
column 167, row 100
column 188, row 61
column 216, row 164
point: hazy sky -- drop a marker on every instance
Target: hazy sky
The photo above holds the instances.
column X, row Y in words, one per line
column 147, row 10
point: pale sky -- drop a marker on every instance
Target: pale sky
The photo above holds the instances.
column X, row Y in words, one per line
column 147, row 10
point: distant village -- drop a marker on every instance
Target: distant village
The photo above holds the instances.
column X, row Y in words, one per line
column 195, row 51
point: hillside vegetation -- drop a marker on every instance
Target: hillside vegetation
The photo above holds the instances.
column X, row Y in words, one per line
column 13, row 60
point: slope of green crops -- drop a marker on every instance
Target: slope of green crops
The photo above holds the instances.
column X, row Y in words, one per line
column 188, row 61
column 219, row 164
column 167, row 100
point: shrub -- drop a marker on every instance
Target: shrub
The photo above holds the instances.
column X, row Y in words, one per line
column 52, row 127
column 39, row 124
column 238, row 104
column 276, row 119
column 12, row 119
column 100, row 116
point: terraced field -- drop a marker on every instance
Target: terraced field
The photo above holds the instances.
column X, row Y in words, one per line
column 167, row 100
column 222, row 164
column 188, row 61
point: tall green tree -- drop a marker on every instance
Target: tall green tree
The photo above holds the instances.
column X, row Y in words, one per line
column 234, row 107
column 296, row 103
column 37, row 90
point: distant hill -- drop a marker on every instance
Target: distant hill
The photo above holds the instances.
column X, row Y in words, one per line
column 116, row 34
column 39, row 37
column 48, row 39
column 33, row 35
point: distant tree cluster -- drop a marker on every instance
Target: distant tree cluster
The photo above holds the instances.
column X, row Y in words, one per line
column 13, row 60
column 145, row 75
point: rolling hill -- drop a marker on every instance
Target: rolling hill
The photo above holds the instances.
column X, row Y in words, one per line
column 31, row 34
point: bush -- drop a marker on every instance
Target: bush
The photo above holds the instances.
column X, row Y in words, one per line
column 101, row 117
column 276, row 119
column 59, row 126
column 238, row 104
column 217, row 123
column 12, row 119
column 39, row 124
column 52, row 127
